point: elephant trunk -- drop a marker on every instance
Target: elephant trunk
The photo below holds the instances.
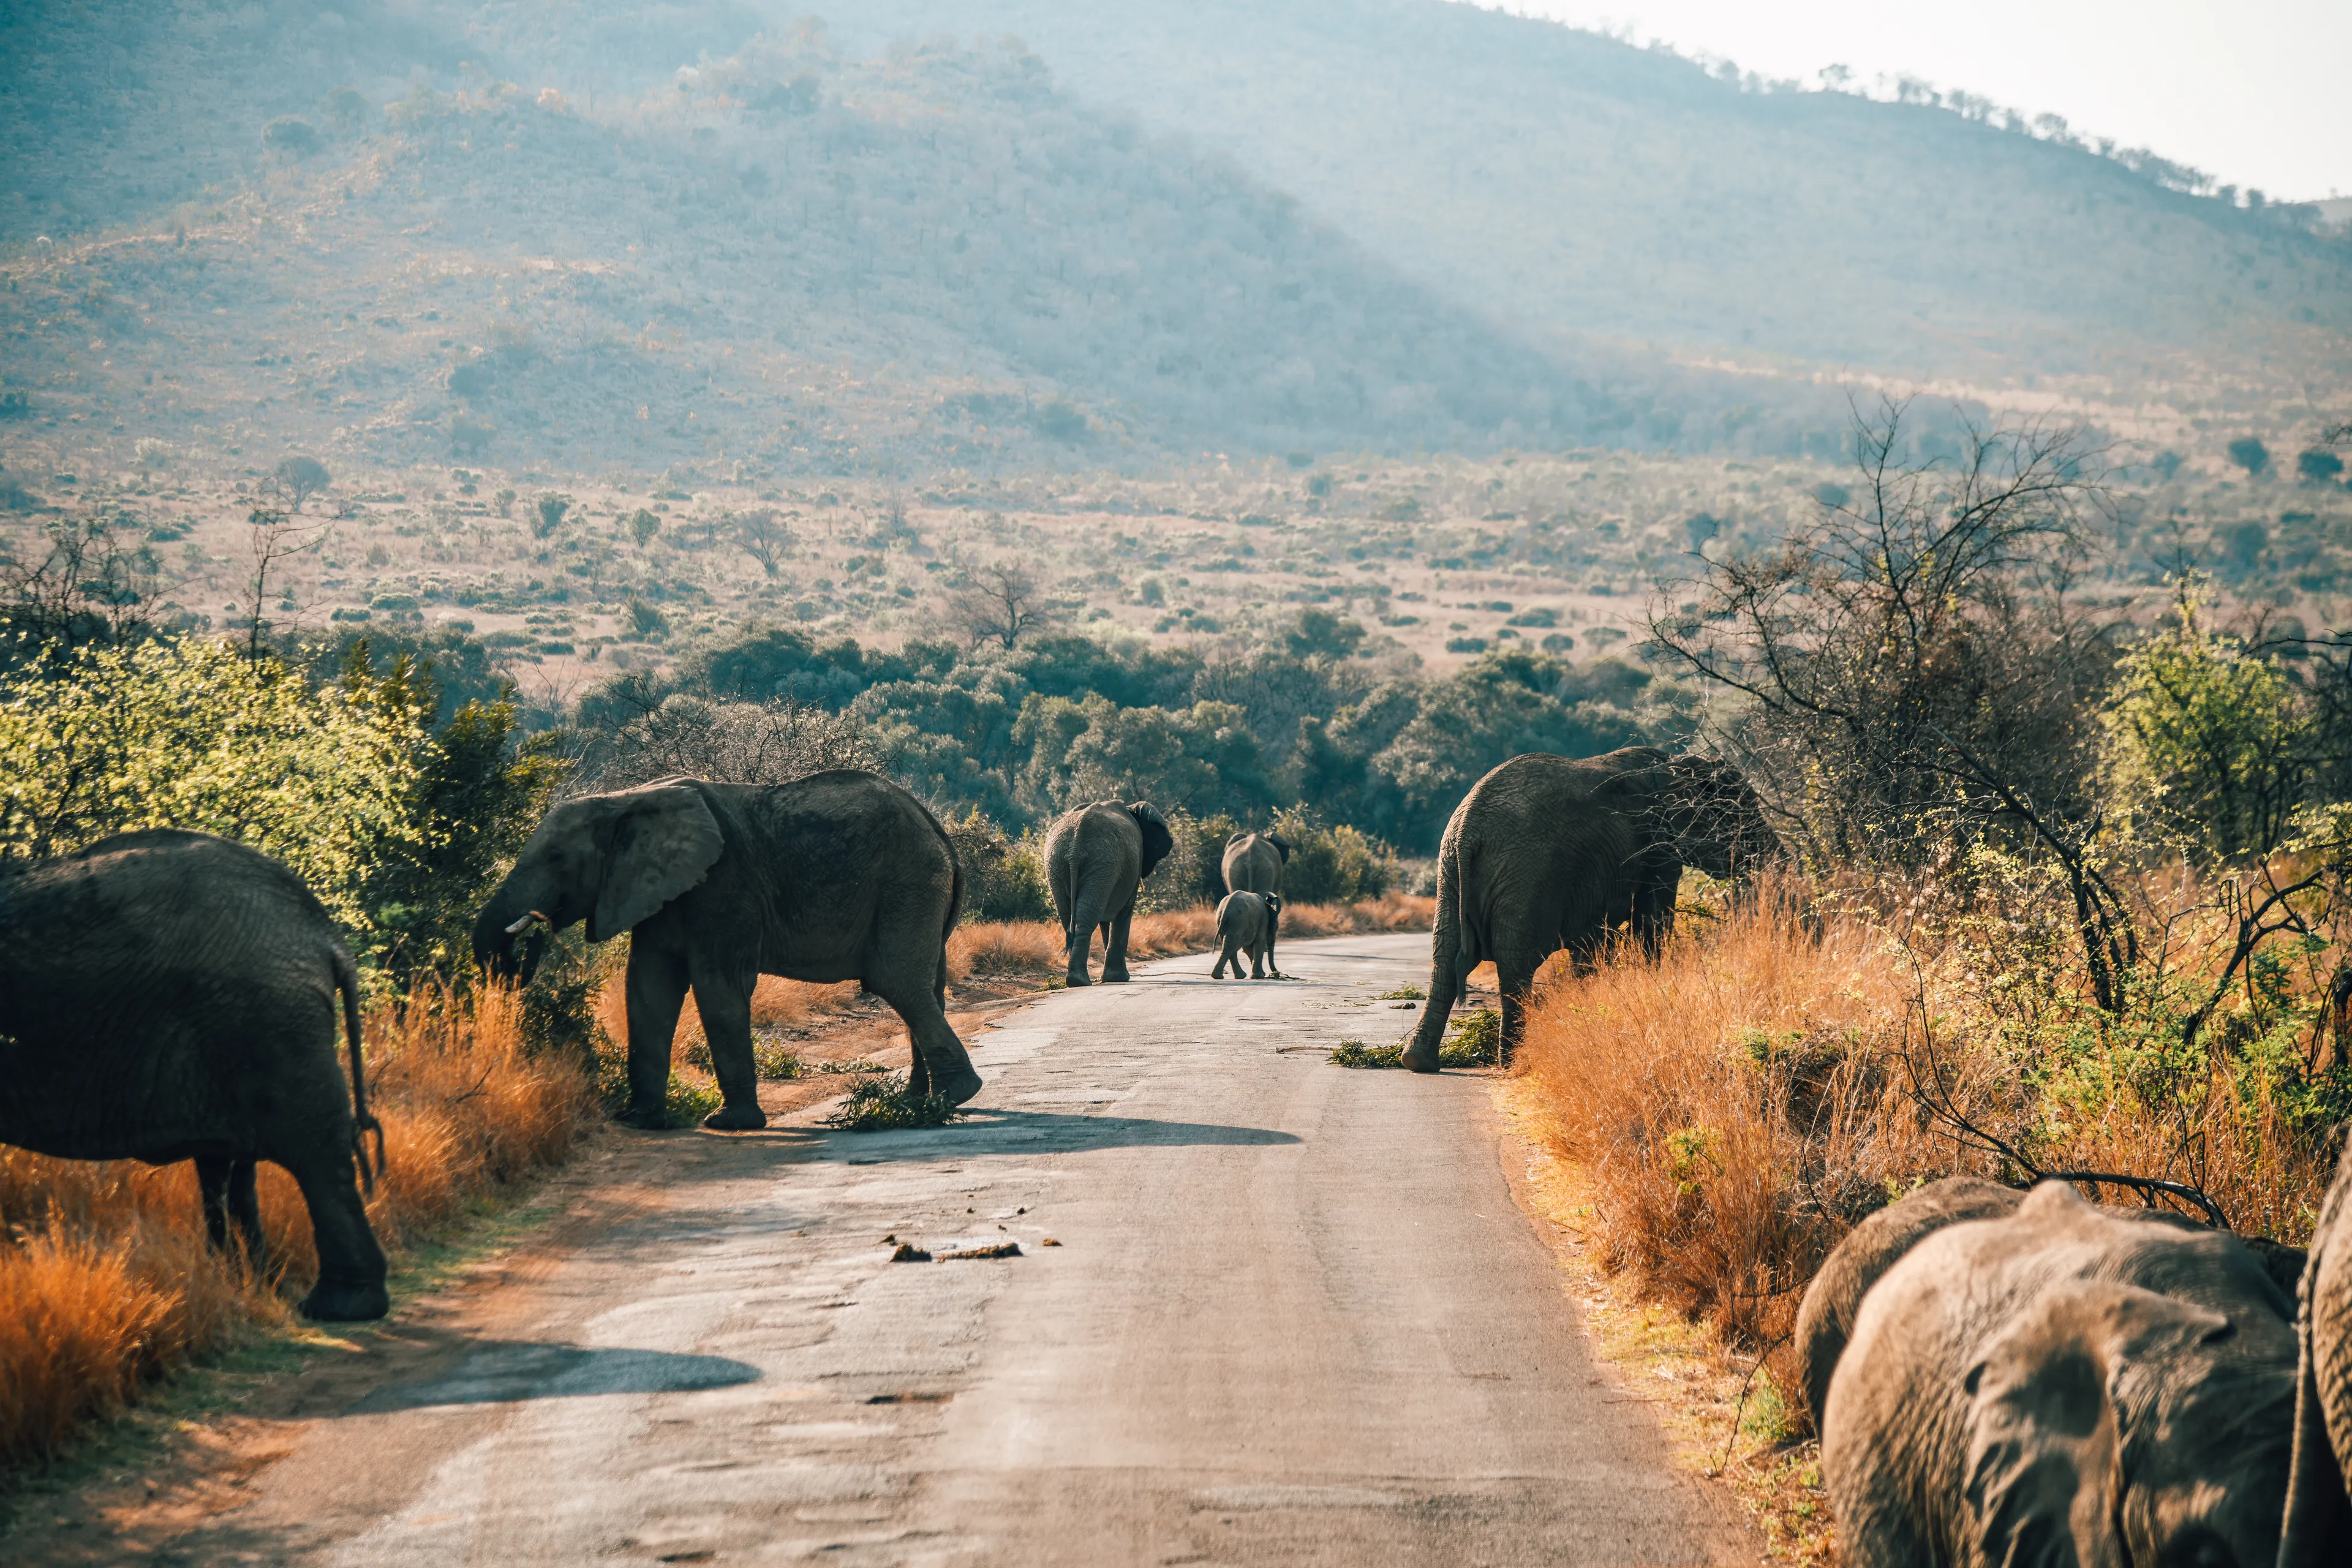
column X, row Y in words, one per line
column 512, row 928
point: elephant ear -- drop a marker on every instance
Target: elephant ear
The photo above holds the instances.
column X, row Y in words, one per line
column 1281, row 846
column 1156, row 840
column 663, row 841
column 2050, row 1423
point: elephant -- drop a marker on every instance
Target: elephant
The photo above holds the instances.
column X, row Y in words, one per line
column 838, row 876
column 1546, row 852
column 1096, row 857
column 2059, row 1383
column 1253, row 863
column 2318, row 1529
column 1246, row 924
column 168, row 996
column 1825, row 1316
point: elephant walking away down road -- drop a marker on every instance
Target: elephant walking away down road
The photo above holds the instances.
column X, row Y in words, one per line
column 839, row 876
column 2062, row 1383
column 1246, row 924
column 1096, row 859
column 1253, row 863
column 168, row 996
column 1547, row 853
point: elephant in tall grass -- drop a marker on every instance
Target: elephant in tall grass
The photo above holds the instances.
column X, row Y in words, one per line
column 2057, row 1383
column 1097, row 858
column 168, row 996
column 839, row 876
column 1547, row 853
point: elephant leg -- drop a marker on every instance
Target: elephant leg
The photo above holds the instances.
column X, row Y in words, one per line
column 1223, row 958
column 1273, row 924
column 1515, row 976
column 351, row 1286
column 1447, row 973
column 1258, row 949
column 1076, row 943
column 1115, row 946
column 943, row 1064
column 211, row 1188
column 656, row 989
column 725, row 1003
column 244, row 1207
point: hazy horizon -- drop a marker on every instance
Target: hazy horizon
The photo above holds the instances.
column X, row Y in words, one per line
column 2253, row 94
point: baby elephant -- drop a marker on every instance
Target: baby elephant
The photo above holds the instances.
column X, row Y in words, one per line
column 1246, row 922
column 2047, row 1381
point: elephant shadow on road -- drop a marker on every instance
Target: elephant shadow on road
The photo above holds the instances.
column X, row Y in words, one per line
column 1039, row 1131
column 506, row 1372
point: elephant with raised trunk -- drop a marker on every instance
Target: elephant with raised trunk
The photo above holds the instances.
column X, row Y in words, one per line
column 2060, row 1383
column 168, row 996
column 1253, row 863
column 1096, row 859
column 1547, row 853
column 839, row 876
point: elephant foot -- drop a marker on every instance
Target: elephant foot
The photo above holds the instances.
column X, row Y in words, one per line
column 1076, row 980
column 346, row 1301
column 958, row 1087
column 1115, row 977
column 1419, row 1060
column 736, row 1119
column 653, row 1118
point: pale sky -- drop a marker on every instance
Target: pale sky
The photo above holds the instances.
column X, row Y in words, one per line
column 2254, row 92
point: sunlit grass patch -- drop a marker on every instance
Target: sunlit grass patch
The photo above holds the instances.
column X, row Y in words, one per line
column 887, row 1105
column 1356, row 1054
column 1404, row 994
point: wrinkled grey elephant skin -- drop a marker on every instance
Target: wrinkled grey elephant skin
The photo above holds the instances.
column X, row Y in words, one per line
column 1253, row 863
column 840, row 876
column 2319, row 1500
column 1549, row 853
column 1246, row 924
column 2062, row 1384
column 168, row 996
column 1097, row 858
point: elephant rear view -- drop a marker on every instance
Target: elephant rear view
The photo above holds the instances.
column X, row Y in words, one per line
column 1097, row 858
column 1253, row 863
column 169, row 995
column 1246, row 924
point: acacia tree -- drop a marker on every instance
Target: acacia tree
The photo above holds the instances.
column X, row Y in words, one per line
column 1916, row 679
column 1001, row 602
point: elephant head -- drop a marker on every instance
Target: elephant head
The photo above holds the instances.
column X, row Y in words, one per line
column 1714, row 819
column 1156, row 840
column 609, row 859
column 2110, row 1425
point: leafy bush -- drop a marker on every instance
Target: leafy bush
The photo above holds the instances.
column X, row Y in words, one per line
column 1004, row 880
column 1331, row 865
column 886, row 1105
column 189, row 734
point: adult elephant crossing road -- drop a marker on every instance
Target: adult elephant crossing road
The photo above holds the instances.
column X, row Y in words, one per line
column 1296, row 1317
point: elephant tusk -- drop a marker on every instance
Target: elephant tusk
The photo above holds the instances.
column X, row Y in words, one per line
column 516, row 929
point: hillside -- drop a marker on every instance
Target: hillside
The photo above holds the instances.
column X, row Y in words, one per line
column 1569, row 180
column 785, row 259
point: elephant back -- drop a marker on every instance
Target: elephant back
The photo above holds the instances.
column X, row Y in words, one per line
column 1253, row 862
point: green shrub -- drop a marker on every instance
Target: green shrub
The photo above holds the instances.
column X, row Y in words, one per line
column 1004, row 880
column 1192, row 874
column 1331, row 865
column 886, row 1105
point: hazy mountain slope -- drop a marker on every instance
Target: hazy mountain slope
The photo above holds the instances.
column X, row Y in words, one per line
column 1565, row 179
column 798, row 262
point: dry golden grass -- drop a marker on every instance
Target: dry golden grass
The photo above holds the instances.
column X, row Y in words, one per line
column 105, row 1281
column 1733, row 1109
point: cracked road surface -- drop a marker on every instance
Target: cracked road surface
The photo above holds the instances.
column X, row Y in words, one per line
column 1296, row 1316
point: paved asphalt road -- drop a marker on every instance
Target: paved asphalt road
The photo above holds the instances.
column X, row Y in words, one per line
column 1295, row 1318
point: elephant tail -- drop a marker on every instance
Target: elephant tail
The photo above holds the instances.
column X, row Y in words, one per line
column 363, row 1121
